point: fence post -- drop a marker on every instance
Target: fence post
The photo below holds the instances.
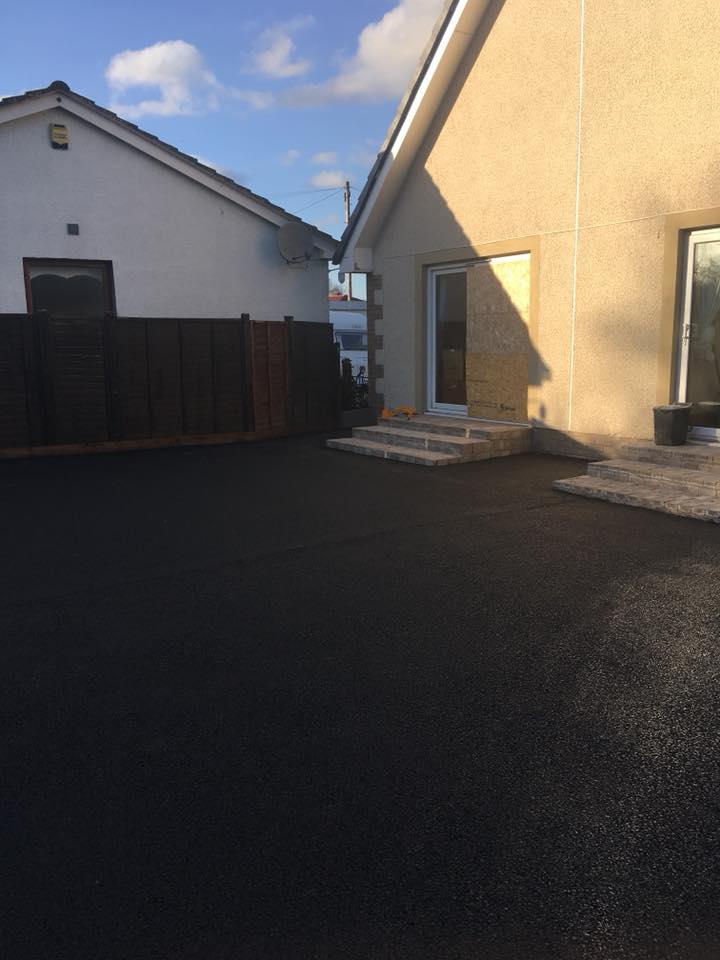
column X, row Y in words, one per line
column 289, row 386
column 248, row 363
column 112, row 394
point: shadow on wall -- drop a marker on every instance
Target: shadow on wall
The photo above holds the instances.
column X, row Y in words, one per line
column 503, row 365
column 502, row 361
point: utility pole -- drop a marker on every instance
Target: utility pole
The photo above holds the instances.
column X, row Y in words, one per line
column 346, row 199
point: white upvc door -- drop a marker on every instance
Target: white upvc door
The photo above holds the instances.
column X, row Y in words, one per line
column 447, row 339
column 698, row 369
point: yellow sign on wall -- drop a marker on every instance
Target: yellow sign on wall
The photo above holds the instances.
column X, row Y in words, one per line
column 59, row 137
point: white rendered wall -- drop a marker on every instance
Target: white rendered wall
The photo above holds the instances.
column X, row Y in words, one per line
column 177, row 249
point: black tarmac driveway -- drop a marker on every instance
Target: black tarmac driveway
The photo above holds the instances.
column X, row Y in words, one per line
column 276, row 701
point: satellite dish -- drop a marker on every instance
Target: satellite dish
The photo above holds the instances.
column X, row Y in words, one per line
column 295, row 243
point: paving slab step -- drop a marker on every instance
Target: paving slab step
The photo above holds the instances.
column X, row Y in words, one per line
column 690, row 456
column 371, row 448
column 652, row 495
column 456, row 427
column 420, row 439
column 691, row 480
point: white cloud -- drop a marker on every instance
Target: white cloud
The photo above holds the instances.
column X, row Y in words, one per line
column 328, row 178
column 325, row 157
column 275, row 59
column 382, row 64
column 175, row 68
column 257, row 99
column 289, row 158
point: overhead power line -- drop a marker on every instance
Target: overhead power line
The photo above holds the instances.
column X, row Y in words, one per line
column 299, row 193
column 321, row 200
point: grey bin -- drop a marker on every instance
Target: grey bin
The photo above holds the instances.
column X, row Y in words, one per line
column 672, row 421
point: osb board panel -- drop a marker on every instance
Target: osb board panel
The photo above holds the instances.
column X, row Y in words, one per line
column 498, row 306
column 498, row 313
column 497, row 386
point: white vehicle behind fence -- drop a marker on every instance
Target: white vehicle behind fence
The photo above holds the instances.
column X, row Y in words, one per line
column 349, row 319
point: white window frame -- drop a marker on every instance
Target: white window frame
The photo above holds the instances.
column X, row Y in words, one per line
column 692, row 239
column 431, row 379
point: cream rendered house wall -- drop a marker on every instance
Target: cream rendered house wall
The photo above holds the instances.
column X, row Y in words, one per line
column 577, row 131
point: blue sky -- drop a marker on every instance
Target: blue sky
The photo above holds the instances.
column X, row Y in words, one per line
column 289, row 99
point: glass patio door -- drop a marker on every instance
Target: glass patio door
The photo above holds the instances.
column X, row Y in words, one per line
column 447, row 339
column 699, row 358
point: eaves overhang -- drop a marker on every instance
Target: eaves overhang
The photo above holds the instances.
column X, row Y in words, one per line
column 453, row 33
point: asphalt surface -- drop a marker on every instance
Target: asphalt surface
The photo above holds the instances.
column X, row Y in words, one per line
column 277, row 701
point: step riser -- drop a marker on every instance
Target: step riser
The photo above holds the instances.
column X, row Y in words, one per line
column 403, row 454
column 675, row 505
column 675, row 457
column 441, row 428
column 395, row 439
column 704, row 484
column 399, row 423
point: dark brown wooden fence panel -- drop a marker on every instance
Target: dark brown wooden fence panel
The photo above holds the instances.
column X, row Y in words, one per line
column 314, row 376
column 278, row 372
column 33, row 381
column 230, row 376
column 197, row 376
column 260, row 376
column 15, row 429
column 164, row 364
column 269, row 376
column 74, row 362
column 74, row 381
column 131, row 384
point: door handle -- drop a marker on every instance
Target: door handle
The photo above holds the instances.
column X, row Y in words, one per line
column 688, row 330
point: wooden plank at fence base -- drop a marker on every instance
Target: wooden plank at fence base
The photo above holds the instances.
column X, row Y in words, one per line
column 14, row 422
column 122, row 446
column 165, row 377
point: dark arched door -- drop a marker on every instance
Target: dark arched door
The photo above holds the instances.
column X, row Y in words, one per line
column 71, row 301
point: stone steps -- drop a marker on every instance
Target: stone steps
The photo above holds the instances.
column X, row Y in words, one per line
column 452, row 426
column 691, row 456
column 386, row 451
column 684, row 481
column 435, row 441
column 423, row 440
column 693, row 481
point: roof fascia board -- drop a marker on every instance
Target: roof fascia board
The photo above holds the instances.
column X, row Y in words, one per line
column 422, row 108
column 53, row 100
column 29, row 106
